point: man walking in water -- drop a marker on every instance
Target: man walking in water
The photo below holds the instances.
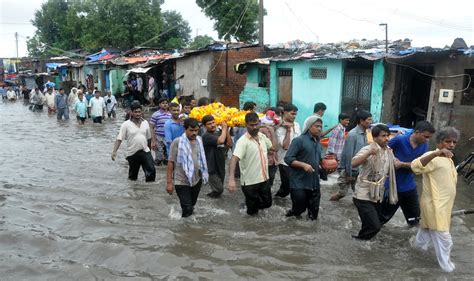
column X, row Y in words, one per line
column 285, row 134
column 303, row 157
column 437, row 198
column 251, row 154
column 216, row 143
column 356, row 139
column 60, row 103
column 377, row 164
column 187, row 167
column 97, row 107
column 136, row 131
column 407, row 148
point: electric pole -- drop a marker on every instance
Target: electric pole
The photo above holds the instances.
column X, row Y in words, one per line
column 16, row 41
column 260, row 21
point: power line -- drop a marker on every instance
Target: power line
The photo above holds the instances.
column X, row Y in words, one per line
column 302, row 22
column 239, row 19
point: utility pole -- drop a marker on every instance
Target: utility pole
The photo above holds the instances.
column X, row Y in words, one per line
column 16, row 41
column 260, row 21
column 386, row 37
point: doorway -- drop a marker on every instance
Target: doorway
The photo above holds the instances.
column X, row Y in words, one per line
column 285, row 85
column 357, row 88
column 412, row 93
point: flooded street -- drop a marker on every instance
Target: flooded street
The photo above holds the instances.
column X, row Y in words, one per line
column 68, row 212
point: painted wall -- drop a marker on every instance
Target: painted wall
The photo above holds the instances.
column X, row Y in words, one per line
column 308, row 91
column 252, row 92
column 117, row 76
column 376, row 99
column 194, row 69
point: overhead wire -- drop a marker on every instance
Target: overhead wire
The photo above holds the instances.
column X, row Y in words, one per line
column 302, row 23
column 239, row 20
column 436, row 76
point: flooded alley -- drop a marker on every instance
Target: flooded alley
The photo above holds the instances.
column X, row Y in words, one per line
column 68, row 212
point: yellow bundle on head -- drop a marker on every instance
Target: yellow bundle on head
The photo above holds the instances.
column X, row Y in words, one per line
column 231, row 115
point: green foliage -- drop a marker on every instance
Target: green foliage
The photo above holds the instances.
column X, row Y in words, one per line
column 200, row 41
column 177, row 31
column 96, row 24
column 234, row 19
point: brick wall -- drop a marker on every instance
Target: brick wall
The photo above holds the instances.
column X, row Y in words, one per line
column 227, row 90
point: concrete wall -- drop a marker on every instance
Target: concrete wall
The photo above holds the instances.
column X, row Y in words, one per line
column 195, row 68
column 376, row 100
column 442, row 115
column 307, row 91
column 455, row 114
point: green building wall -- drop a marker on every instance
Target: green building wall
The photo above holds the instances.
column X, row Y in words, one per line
column 307, row 91
column 376, row 98
column 252, row 92
column 117, row 76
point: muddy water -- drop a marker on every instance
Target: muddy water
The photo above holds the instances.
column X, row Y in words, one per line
column 67, row 212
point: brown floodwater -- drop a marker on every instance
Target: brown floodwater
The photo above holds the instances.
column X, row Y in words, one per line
column 67, row 212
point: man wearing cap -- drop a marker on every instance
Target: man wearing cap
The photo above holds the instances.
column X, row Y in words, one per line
column 303, row 158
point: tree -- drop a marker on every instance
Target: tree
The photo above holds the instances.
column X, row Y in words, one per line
column 52, row 33
column 235, row 19
column 177, row 31
column 200, row 41
column 95, row 24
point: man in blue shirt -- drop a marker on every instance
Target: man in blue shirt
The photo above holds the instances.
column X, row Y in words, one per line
column 407, row 148
column 60, row 103
column 174, row 126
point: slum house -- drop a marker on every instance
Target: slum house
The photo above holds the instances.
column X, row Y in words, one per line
column 97, row 69
column 401, row 89
column 140, row 61
column 208, row 72
column 345, row 76
column 434, row 84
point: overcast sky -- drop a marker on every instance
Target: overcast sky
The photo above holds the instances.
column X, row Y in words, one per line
column 422, row 21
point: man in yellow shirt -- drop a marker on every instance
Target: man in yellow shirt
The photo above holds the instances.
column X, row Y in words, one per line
column 437, row 198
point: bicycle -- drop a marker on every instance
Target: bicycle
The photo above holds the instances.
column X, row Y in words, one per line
column 466, row 167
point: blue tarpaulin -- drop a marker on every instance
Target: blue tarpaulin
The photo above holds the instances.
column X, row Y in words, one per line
column 97, row 56
column 54, row 65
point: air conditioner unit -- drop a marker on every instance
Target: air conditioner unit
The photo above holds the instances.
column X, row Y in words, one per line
column 204, row 82
column 446, row 96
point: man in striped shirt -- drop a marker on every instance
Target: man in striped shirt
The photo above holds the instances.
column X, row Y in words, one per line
column 157, row 125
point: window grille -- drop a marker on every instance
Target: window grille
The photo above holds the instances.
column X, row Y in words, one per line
column 318, row 73
column 285, row 72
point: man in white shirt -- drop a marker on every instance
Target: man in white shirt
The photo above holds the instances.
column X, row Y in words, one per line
column 136, row 131
column 11, row 95
column 97, row 108
column 111, row 104
column 288, row 130
column 50, row 95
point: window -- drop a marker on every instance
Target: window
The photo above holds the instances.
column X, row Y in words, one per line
column 468, row 94
column 285, row 72
column 318, row 73
column 263, row 79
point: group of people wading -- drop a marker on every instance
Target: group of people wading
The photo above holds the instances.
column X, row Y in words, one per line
column 380, row 173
